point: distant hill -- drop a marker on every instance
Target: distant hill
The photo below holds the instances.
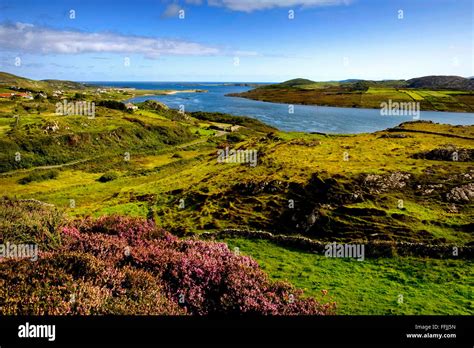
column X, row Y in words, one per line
column 349, row 83
column 426, row 82
column 10, row 80
column 442, row 82
column 62, row 84
column 350, row 80
column 296, row 82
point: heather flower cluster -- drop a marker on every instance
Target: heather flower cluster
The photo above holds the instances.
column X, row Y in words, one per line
column 125, row 265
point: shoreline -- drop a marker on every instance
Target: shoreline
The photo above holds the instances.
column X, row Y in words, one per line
column 186, row 91
column 151, row 93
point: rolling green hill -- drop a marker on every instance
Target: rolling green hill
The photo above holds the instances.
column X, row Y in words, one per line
column 9, row 80
column 440, row 93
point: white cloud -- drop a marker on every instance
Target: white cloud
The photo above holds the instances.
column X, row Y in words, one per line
column 28, row 38
column 246, row 53
column 255, row 5
column 171, row 10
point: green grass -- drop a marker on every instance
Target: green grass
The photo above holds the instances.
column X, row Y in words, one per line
column 415, row 95
column 372, row 286
column 130, row 209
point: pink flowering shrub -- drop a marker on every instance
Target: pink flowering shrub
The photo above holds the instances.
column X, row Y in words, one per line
column 79, row 284
column 202, row 277
column 125, row 265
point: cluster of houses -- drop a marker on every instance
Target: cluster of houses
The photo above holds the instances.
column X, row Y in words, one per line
column 58, row 94
column 29, row 95
column 124, row 89
column 130, row 106
column 17, row 94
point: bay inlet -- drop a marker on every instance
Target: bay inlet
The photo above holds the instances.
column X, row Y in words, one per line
column 304, row 118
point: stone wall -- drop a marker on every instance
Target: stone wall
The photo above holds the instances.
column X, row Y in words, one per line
column 372, row 248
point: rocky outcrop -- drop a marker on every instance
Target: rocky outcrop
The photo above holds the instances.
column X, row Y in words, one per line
column 51, row 127
column 448, row 153
column 304, row 142
column 394, row 136
column 461, row 194
column 428, row 189
column 257, row 187
column 376, row 183
column 35, row 201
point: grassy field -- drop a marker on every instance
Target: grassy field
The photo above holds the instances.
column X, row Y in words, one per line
column 398, row 286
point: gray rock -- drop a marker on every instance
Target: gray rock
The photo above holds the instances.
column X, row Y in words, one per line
column 381, row 183
column 461, row 194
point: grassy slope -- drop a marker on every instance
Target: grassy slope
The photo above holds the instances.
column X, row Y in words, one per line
column 373, row 286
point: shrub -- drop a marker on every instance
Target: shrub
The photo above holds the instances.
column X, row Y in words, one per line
column 109, row 176
column 39, row 176
column 30, row 221
column 125, row 265
column 204, row 277
column 235, row 138
column 73, row 283
column 112, row 104
column 79, row 96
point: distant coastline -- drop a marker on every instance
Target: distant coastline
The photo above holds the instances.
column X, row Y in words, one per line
column 429, row 93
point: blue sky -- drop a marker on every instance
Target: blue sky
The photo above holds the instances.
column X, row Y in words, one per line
column 236, row 40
